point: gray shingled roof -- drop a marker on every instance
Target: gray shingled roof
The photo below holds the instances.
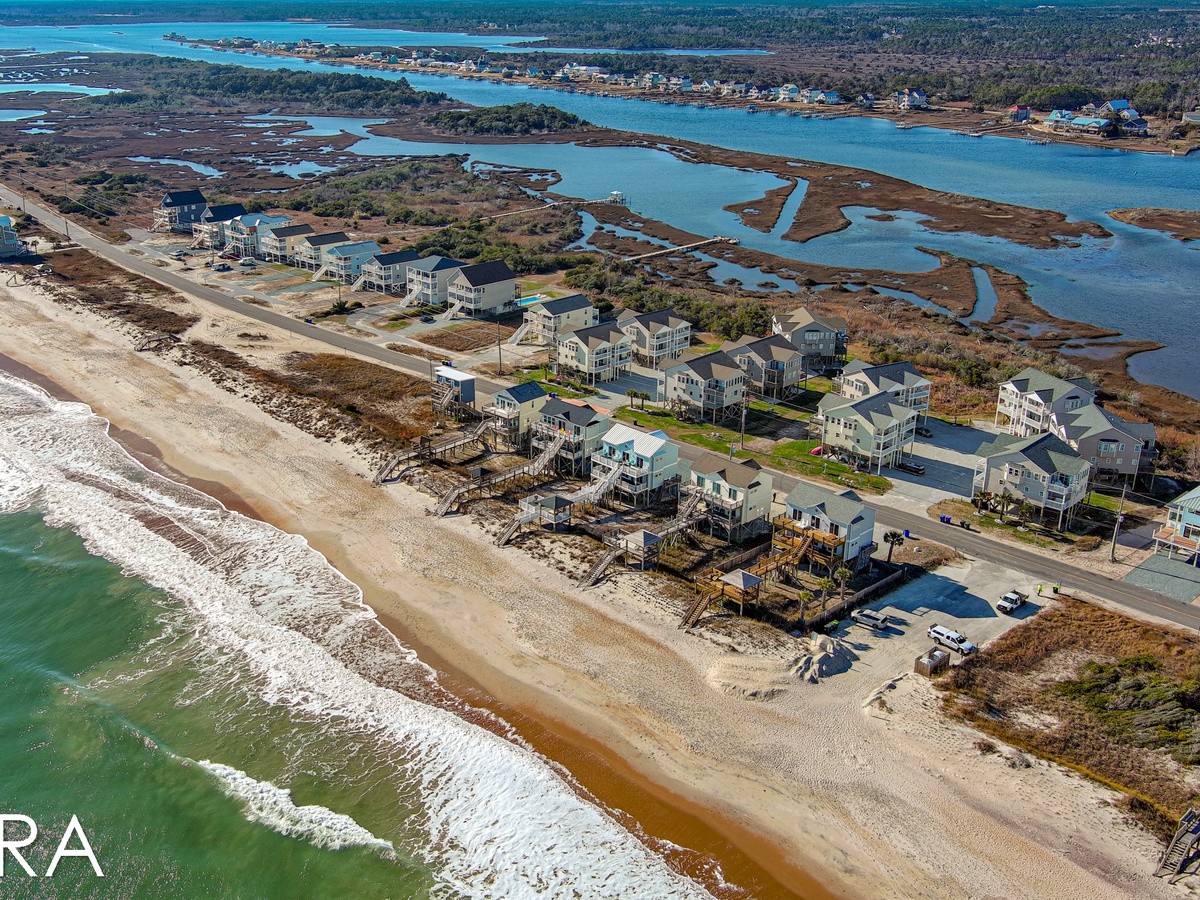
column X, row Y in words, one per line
column 739, row 473
column 1091, row 419
column 523, row 393
column 1048, row 387
column 224, row 213
column 773, row 347
column 287, row 231
column 885, row 377
column 877, row 410
column 396, row 256
column 653, row 322
column 482, row 274
column 801, row 317
column 843, row 508
column 594, row 335
column 324, row 240
column 577, row 414
column 436, row 264
column 565, row 304
column 716, row 365
column 1044, row 451
column 182, row 198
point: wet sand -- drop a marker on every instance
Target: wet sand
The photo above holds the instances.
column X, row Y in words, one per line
column 808, row 778
column 689, row 834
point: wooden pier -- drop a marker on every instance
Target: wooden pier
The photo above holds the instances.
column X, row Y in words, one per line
column 696, row 246
column 616, row 198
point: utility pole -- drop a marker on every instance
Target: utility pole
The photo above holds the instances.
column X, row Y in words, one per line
column 743, row 423
column 499, row 352
column 1112, row 550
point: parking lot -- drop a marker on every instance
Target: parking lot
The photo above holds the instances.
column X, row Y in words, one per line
column 961, row 597
column 949, row 460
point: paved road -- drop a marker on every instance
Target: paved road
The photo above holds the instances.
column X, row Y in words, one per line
column 1050, row 570
column 184, row 285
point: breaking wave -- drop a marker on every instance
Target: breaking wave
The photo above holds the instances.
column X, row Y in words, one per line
column 495, row 820
column 266, row 804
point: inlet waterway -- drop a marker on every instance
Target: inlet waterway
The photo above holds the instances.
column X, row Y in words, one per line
column 1138, row 282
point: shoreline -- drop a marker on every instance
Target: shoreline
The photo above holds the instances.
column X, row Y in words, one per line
column 928, row 118
column 587, row 752
column 813, row 772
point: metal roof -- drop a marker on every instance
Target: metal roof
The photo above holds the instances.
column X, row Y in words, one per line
column 1189, row 501
column 644, row 444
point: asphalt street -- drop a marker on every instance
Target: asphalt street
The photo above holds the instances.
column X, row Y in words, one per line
column 971, row 543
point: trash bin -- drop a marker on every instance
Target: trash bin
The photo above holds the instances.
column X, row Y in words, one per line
column 906, row 534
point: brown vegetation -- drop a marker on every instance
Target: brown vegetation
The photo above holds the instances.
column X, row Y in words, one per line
column 1181, row 224
column 466, row 336
column 1022, row 689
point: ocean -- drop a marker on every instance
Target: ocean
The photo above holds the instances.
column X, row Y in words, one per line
column 226, row 718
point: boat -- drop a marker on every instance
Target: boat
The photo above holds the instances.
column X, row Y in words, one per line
column 974, row 134
column 903, row 126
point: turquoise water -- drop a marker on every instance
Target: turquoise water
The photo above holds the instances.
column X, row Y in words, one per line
column 93, row 674
column 226, row 718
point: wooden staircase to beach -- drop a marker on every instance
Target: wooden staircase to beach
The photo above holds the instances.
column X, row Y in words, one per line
column 1180, row 857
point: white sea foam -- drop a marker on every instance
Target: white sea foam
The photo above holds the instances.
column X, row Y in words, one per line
column 266, row 804
column 497, row 820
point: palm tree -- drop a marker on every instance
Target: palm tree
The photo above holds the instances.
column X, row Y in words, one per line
column 893, row 539
column 842, row 576
column 827, row 586
column 805, row 597
column 1025, row 511
column 979, row 500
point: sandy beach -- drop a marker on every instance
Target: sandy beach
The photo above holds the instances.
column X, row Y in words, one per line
column 821, row 790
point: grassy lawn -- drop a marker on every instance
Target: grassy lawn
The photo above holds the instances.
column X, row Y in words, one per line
column 565, row 393
column 791, row 456
column 1045, row 538
column 1102, row 501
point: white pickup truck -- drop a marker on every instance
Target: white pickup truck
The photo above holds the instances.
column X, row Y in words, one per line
column 952, row 639
column 1009, row 603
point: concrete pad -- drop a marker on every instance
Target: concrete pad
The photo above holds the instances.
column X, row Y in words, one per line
column 1168, row 576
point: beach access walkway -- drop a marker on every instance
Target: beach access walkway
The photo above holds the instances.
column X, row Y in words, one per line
column 1129, row 598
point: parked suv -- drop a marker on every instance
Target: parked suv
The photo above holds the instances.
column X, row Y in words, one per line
column 911, row 468
column 869, row 618
column 952, row 639
column 924, row 432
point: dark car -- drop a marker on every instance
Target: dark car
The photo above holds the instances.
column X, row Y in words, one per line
column 924, row 432
column 911, row 468
column 427, row 319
